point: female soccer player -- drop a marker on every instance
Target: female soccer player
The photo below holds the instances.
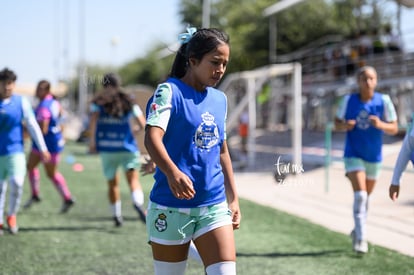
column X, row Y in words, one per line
column 15, row 111
column 48, row 114
column 112, row 115
column 365, row 115
column 194, row 196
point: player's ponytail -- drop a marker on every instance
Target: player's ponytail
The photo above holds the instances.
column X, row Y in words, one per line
column 179, row 66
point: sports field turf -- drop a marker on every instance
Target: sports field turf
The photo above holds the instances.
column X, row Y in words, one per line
column 84, row 241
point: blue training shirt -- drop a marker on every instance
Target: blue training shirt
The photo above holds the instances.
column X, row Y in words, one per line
column 364, row 140
column 13, row 111
column 11, row 129
column 195, row 129
column 114, row 134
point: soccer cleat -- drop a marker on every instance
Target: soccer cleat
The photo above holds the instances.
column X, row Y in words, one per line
column 359, row 246
column 142, row 213
column 33, row 199
column 12, row 223
column 118, row 221
column 67, row 204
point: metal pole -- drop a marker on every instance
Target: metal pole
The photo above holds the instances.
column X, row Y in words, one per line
column 297, row 111
column 206, row 14
column 251, row 145
column 83, row 73
column 56, row 34
column 272, row 39
column 66, row 42
column 328, row 148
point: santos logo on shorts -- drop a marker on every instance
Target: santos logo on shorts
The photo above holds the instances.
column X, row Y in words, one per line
column 161, row 222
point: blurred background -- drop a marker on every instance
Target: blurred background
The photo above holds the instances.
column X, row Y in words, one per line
column 74, row 43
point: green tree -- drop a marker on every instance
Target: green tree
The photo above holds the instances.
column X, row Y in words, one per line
column 148, row 70
column 243, row 20
column 191, row 12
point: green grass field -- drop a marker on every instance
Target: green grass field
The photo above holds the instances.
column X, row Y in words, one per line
column 84, row 241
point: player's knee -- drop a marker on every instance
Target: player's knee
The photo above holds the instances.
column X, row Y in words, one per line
column 360, row 197
column 360, row 201
column 17, row 181
column 113, row 183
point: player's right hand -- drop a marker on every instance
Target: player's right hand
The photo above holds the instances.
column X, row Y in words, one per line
column 181, row 186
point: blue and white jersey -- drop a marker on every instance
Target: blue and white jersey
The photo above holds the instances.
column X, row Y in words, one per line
column 195, row 129
column 114, row 134
column 13, row 112
column 11, row 130
column 364, row 140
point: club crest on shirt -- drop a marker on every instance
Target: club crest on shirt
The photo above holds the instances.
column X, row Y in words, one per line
column 362, row 120
column 206, row 135
column 161, row 222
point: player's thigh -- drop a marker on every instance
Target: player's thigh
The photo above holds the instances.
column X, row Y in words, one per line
column 169, row 253
column 353, row 165
column 13, row 167
column 109, row 165
column 355, row 171
column 217, row 245
column 4, row 163
column 51, row 165
column 373, row 170
column 129, row 160
column 169, row 232
column 214, row 234
column 130, row 165
column 33, row 160
column 358, row 180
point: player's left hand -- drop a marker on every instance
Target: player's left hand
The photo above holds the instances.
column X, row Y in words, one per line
column 45, row 156
column 235, row 214
column 148, row 167
column 394, row 191
column 375, row 121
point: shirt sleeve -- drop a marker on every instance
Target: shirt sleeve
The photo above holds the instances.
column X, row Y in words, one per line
column 32, row 125
column 225, row 119
column 43, row 114
column 404, row 156
column 160, row 108
column 390, row 114
column 343, row 103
